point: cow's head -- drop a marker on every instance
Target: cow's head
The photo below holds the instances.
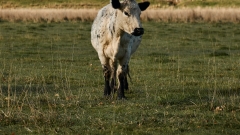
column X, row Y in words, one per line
column 129, row 15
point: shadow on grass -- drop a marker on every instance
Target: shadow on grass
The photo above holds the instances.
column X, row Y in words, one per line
column 218, row 54
column 229, row 92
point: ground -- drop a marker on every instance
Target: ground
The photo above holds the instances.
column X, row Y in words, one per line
column 185, row 80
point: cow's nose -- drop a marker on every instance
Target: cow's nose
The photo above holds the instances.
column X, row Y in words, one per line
column 138, row 32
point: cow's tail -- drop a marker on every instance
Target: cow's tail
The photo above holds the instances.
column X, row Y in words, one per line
column 128, row 73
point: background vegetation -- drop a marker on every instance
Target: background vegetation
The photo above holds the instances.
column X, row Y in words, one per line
column 77, row 10
column 185, row 80
column 98, row 3
column 183, row 15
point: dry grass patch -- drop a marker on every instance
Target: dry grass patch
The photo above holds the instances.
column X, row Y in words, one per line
column 49, row 15
column 165, row 15
column 193, row 15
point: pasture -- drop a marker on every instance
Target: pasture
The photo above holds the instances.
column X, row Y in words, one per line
column 185, row 80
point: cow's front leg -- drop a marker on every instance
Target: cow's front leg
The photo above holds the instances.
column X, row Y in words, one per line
column 122, row 82
column 122, row 75
column 107, row 75
column 113, row 65
column 106, row 72
column 121, row 78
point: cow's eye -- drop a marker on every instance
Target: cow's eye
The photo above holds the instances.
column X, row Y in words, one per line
column 126, row 13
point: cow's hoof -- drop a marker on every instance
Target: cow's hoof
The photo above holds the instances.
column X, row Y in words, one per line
column 107, row 96
column 122, row 98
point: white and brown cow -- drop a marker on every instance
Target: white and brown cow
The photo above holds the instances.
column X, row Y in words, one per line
column 116, row 34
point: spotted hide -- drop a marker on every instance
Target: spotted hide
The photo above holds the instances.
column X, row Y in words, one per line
column 116, row 34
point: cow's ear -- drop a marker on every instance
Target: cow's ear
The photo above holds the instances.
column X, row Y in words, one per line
column 115, row 4
column 143, row 5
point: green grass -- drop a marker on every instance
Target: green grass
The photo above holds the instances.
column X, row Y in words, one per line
column 183, row 74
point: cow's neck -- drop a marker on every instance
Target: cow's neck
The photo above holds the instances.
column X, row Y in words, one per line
column 118, row 30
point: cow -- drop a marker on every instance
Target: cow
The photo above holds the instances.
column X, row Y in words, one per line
column 116, row 34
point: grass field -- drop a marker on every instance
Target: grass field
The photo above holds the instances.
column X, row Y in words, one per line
column 185, row 80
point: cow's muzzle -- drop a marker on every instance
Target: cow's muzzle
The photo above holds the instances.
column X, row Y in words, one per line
column 138, row 32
